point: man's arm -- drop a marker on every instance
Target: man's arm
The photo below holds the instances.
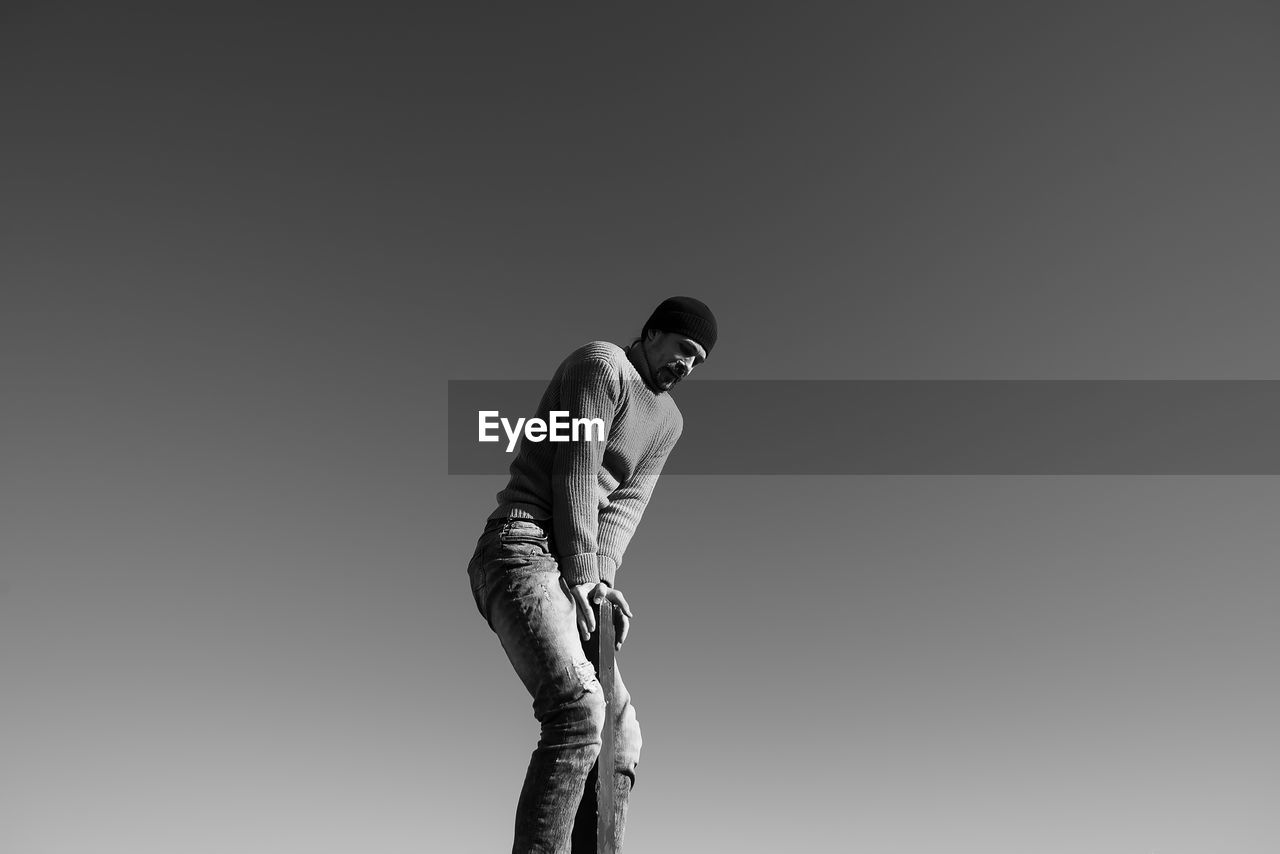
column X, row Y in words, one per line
column 619, row 520
column 589, row 388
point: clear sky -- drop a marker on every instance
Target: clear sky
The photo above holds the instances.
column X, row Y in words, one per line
column 243, row 248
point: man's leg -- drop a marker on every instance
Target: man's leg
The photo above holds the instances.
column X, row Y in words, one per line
column 530, row 609
column 518, row 589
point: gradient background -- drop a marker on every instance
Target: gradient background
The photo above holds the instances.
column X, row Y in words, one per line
column 245, row 247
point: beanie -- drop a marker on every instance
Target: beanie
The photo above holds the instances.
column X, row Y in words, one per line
column 685, row 316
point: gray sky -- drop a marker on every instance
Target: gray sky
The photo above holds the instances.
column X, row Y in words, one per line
column 244, row 248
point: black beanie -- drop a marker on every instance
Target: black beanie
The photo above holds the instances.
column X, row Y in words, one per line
column 685, row 316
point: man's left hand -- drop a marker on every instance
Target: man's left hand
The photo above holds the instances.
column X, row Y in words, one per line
column 587, row 596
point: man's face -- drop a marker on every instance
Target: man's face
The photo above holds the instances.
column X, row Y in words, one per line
column 671, row 357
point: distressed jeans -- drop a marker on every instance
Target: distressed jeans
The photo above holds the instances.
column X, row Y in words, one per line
column 517, row 586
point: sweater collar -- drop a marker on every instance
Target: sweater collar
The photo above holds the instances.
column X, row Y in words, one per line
column 636, row 356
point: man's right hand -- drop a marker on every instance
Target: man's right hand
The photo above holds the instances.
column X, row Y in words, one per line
column 587, row 596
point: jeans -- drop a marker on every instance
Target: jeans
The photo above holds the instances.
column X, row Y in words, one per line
column 518, row 589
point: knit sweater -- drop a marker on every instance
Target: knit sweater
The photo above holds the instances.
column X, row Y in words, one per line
column 594, row 492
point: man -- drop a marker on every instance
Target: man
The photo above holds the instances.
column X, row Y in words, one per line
column 550, row 553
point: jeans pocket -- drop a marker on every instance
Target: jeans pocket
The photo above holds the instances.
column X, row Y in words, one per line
column 524, row 537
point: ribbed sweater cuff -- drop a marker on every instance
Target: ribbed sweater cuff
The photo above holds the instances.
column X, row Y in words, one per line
column 608, row 569
column 580, row 569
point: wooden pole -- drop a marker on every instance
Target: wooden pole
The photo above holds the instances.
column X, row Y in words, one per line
column 606, row 774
